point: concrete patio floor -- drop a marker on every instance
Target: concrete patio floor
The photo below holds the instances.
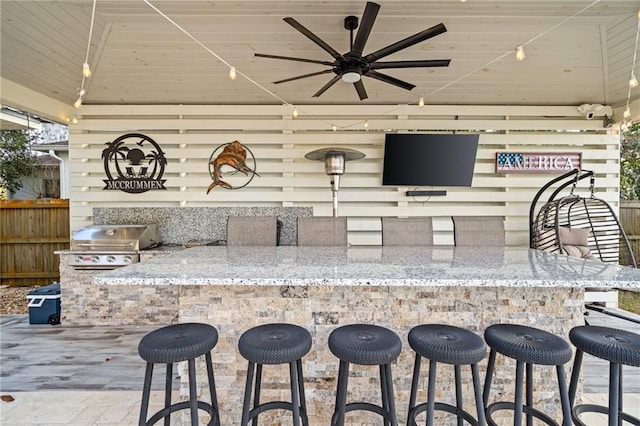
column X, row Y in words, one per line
column 85, row 376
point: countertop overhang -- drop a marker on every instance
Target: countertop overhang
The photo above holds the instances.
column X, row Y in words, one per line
column 372, row 266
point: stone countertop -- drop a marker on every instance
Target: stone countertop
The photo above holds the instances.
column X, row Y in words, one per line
column 372, row 265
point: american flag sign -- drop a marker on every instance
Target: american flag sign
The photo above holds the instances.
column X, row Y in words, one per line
column 537, row 162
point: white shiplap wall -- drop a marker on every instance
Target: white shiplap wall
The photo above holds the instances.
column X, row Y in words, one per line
column 189, row 134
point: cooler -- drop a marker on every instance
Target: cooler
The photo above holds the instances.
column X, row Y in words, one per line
column 44, row 305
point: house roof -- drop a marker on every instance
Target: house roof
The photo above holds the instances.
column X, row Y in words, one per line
column 180, row 52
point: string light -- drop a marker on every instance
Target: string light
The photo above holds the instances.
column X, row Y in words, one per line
column 74, row 120
column 627, row 112
column 295, row 112
column 78, row 102
column 232, row 73
column 520, row 53
column 366, row 124
column 421, row 103
column 86, row 71
column 633, row 81
column 334, row 128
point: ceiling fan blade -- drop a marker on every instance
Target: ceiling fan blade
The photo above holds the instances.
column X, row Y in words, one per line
column 314, row 38
column 290, row 58
column 303, row 76
column 390, row 80
column 362, row 93
column 324, row 88
column 409, row 64
column 366, row 24
column 407, row 42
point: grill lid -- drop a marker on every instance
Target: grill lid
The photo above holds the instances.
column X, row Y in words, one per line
column 115, row 238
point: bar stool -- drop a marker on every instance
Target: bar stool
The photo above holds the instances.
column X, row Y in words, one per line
column 619, row 347
column 528, row 346
column 365, row 344
column 176, row 343
column 449, row 345
column 275, row 344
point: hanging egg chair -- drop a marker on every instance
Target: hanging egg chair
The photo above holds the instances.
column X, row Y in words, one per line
column 578, row 226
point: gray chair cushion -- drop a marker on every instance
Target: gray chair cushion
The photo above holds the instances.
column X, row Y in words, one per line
column 322, row 231
column 483, row 231
column 412, row 231
column 252, row 231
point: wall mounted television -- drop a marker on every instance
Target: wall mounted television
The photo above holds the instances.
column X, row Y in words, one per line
column 429, row 159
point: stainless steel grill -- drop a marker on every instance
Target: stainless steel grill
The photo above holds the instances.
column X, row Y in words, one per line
column 111, row 246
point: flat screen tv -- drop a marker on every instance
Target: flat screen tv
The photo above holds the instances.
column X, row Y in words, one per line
column 429, row 159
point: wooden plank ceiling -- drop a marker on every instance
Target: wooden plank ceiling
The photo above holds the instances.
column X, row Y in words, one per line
column 139, row 57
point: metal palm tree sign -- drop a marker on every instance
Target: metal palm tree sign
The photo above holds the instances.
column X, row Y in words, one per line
column 231, row 158
column 134, row 163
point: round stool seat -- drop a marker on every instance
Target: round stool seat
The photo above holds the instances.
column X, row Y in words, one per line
column 365, row 344
column 274, row 343
column 179, row 342
column 448, row 344
column 611, row 344
column 528, row 344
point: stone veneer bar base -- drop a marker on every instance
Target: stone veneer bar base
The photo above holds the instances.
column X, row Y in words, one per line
column 234, row 309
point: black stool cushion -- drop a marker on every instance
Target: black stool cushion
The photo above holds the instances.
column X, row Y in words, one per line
column 365, row 344
column 448, row 344
column 274, row 343
column 612, row 344
column 528, row 344
column 175, row 343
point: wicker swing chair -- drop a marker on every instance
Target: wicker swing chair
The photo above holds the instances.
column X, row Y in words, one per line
column 579, row 226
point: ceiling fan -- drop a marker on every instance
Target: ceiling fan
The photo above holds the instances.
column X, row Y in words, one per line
column 351, row 66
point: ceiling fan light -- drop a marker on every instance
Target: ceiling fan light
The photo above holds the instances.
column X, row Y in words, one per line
column 350, row 77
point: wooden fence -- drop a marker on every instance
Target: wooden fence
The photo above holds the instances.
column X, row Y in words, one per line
column 630, row 221
column 30, row 232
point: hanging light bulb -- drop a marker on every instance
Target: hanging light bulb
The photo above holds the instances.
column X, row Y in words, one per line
column 624, row 127
column 366, row 124
column 232, row 73
column 74, row 120
column 334, row 128
column 78, row 102
column 295, row 112
column 633, row 81
column 421, row 103
column 627, row 112
column 86, row 71
column 520, row 53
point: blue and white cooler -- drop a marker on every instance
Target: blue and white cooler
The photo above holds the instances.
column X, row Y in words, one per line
column 44, row 305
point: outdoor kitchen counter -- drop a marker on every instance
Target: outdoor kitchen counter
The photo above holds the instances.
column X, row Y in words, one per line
column 321, row 288
column 372, row 266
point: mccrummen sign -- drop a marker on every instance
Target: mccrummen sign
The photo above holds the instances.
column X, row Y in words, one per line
column 537, row 162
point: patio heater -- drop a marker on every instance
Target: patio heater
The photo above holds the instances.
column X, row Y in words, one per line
column 334, row 165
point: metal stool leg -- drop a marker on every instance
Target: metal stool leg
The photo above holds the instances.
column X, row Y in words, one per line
column 459, row 401
column 146, row 392
column 431, row 392
column 482, row 421
column 383, row 392
column 295, row 405
column 168, row 385
column 212, row 388
column 247, row 395
column 414, row 388
column 257, row 389
column 517, row 412
column 341, row 395
column 391, row 399
column 303, row 403
column 614, row 395
column 529, row 390
column 564, row 396
column 488, row 378
column 193, row 395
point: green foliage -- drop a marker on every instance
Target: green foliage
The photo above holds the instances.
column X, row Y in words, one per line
column 630, row 163
column 16, row 158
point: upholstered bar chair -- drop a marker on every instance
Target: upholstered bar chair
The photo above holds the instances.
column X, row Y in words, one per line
column 322, row 231
column 411, row 231
column 252, row 231
column 486, row 231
